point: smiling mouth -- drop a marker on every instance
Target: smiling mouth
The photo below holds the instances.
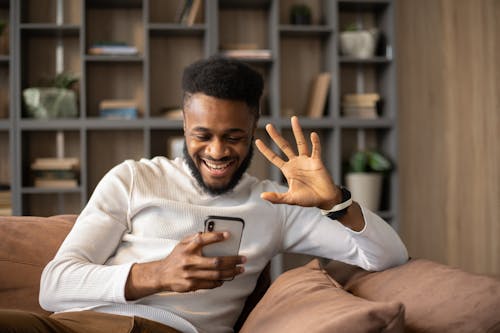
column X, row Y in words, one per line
column 218, row 168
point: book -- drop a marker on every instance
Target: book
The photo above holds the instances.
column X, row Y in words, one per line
column 5, row 198
column 183, row 10
column 360, row 104
column 5, row 211
column 318, row 95
column 55, row 174
column 118, row 104
column 361, row 96
column 113, row 50
column 49, row 163
column 55, row 183
column 119, row 113
column 239, row 46
column 360, row 112
column 360, row 99
column 193, row 13
column 248, row 54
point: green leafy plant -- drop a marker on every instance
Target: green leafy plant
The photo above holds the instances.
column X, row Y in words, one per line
column 352, row 27
column 65, row 80
column 300, row 14
column 369, row 161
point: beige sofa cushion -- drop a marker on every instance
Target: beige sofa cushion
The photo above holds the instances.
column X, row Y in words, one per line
column 28, row 244
column 306, row 299
column 437, row 298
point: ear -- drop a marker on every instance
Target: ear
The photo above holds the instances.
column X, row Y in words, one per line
column 254, row 128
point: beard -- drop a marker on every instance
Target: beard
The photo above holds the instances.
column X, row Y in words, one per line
column 235, row 178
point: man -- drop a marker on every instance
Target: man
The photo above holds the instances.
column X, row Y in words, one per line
column 136, row 248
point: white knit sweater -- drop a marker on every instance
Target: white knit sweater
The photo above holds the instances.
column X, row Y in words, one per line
column 140, row 211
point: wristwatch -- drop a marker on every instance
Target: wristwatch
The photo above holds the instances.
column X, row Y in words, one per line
column 340, row 209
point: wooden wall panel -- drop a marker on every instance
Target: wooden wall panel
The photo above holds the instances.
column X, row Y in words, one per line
column 449, row 85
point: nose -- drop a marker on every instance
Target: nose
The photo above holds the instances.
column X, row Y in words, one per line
column 217, row 149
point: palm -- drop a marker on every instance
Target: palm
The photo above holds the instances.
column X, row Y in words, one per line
column 309, row 183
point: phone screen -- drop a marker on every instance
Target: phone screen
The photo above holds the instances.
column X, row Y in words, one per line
column 230, row 246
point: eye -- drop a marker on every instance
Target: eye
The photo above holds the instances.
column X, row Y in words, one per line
column 202, row 137
column 234, row 139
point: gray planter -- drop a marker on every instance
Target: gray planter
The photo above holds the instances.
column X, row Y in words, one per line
column 359, row 44
column 45, row 103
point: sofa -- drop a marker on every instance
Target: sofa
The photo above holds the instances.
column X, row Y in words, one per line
column 419, row 296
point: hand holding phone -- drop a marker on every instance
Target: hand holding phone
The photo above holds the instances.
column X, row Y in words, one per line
column 229, row 247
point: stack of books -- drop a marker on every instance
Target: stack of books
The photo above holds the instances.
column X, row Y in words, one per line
column 248, row 54
column 360, row 105
column 118, row 109
column 113, row 48
column 5, row 200
column 56, row 172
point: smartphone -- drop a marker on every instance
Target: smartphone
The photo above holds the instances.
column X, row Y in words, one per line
column 230, row 246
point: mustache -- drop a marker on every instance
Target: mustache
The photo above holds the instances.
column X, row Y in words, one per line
column 224, row 159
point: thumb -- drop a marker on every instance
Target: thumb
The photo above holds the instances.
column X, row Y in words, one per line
column 276, row 198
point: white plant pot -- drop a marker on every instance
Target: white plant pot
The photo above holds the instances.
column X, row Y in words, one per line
column 366, row 188
column 358, row 44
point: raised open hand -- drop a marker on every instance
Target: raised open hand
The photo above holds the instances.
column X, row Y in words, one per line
column 309, row 182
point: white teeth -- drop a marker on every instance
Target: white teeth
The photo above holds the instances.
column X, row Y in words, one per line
column 216, row 166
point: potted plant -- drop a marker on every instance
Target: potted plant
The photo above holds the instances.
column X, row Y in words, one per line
column 364, row 178
column 58, row 99
column 300, row 14
column 358, row 43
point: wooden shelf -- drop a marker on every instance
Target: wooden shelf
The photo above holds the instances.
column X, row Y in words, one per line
column 373, row 60
column 49, row 29
column 288, row 30
column 114, row 58
column 40, row 190
column 152, row 78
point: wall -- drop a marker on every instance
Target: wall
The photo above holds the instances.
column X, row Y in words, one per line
column 449, row 104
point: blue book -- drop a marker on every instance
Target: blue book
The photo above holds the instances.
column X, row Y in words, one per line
column 119, row 113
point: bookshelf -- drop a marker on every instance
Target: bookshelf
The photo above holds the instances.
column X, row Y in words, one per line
column 7, row 132
column 50, row 35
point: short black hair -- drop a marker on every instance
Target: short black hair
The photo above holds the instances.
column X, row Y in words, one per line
column 224, row 78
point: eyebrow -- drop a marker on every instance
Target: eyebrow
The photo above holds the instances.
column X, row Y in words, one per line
column 231, row 130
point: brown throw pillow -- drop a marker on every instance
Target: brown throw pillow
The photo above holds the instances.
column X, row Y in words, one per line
column 28, row 244
column 437, row 298
column 306, row 299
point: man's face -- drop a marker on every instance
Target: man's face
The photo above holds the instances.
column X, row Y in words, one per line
column 218, row 136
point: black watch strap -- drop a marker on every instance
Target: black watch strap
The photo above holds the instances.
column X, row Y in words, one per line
column 340, row 209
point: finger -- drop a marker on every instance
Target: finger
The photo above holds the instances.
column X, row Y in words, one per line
column 316, row 146
column 222, row 262
column 274, row 197
column 269, row 154
column 216, row 275
column 206, row 284
column 280, row 141
column 197, row 241
column 299, row 137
